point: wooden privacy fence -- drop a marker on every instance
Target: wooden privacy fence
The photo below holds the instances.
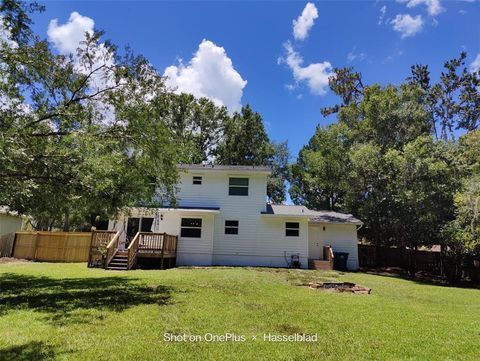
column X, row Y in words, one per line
column 373, row 256
column 6, row 245
column 53, row 246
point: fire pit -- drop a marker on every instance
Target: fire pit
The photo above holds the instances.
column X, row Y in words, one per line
column 340, row 287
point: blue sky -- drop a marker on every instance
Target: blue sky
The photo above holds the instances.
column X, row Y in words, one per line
column 267, row 62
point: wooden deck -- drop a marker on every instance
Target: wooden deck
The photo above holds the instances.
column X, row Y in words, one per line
column 148, row 245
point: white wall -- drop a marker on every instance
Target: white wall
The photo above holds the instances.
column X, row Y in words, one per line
column 342, row 238
column 261, row 240
column 190, row 251
column 10, row 224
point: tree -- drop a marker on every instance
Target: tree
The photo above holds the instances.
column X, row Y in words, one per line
column 318, row 178
column 453, row 102
column 279, row 163
column 76, row 137
column 196, row 124
column 244, row 140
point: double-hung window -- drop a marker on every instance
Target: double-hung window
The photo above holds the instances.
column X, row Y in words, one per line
column 197, row 180
column 292, row 229
column 191, row 228
column 231, row 227
column 238, row 186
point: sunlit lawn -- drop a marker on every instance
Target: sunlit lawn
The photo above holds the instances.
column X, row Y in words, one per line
column 70, row 312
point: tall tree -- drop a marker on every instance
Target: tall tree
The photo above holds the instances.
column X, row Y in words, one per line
column 453, row 102
column 76, row 137
column 279, row 162
column 245, row 141
column 318, row 178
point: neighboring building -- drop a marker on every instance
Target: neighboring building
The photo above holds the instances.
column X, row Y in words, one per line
column 222, row 219
column 10, row 222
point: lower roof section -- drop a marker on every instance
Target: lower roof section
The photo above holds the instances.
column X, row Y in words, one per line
column 200, row 210
column 294, row 211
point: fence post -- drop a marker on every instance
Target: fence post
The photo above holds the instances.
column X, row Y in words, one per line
column 35, row 246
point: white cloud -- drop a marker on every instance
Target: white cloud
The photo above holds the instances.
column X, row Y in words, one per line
column 353, row 55
column 383, row 11
column 475, row 65
column 407, row 25
column 210, row 73
column 315, row 75
column 68, row 36
column 433, row 6
column 303, row 24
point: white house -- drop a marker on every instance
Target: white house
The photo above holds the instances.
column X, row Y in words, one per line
column 222, row 219
column 10, row 222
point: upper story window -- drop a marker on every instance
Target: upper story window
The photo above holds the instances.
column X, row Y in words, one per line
column 231, row 227
column 197, row 179
column 238, row 187
column 292, row 229
column 191, row 228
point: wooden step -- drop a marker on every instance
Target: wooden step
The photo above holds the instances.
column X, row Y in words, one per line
column 120, row 258
column 319, row 264
column 118, row 264
column 119, row 268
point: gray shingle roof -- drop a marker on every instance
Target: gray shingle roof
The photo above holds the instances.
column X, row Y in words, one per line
column 226, row 168
column 314, row 216
column 333, row 217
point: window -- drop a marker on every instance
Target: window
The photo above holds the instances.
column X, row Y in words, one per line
column 197, row 180
column 231, row 227
column 191, row 228
column 292, row 229
column 238, row 187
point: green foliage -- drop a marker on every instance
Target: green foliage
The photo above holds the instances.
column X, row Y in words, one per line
column 76, row 137
column 381, row 162
column 279, row 163
column 245, row 141
column 318, row 179
column 454, row 102
column 463, row 233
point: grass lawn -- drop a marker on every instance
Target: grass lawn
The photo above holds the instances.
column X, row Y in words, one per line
column 69, row 312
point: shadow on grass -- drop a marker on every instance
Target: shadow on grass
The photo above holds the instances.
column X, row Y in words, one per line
column 74, row 300
column 28, row 352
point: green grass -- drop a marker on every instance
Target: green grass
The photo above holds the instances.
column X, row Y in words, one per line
column 69, row 312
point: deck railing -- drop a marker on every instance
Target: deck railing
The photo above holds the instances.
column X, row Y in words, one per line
column 98, row 245
column 157, row 242
column 112, row 248
column 132, row 251
column 328, row 255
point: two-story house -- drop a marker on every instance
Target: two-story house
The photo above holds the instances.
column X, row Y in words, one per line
column 222, row 218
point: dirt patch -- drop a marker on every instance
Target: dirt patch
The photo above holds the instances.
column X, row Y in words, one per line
column 4, row 260
column 347, row 287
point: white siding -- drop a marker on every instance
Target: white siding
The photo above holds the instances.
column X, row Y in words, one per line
column 261, row 240
column 342, row 238
column 10, row 224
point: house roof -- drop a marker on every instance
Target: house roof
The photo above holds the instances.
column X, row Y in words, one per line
column 313, row 216
column 333, row 217
column 225, row 168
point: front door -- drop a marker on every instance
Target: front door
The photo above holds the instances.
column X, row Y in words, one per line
column 315, row 244
column 133, row 227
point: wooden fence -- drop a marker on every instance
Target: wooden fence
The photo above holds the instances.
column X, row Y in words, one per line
column 53, row 246
column 372, row 256
column 6, row 245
